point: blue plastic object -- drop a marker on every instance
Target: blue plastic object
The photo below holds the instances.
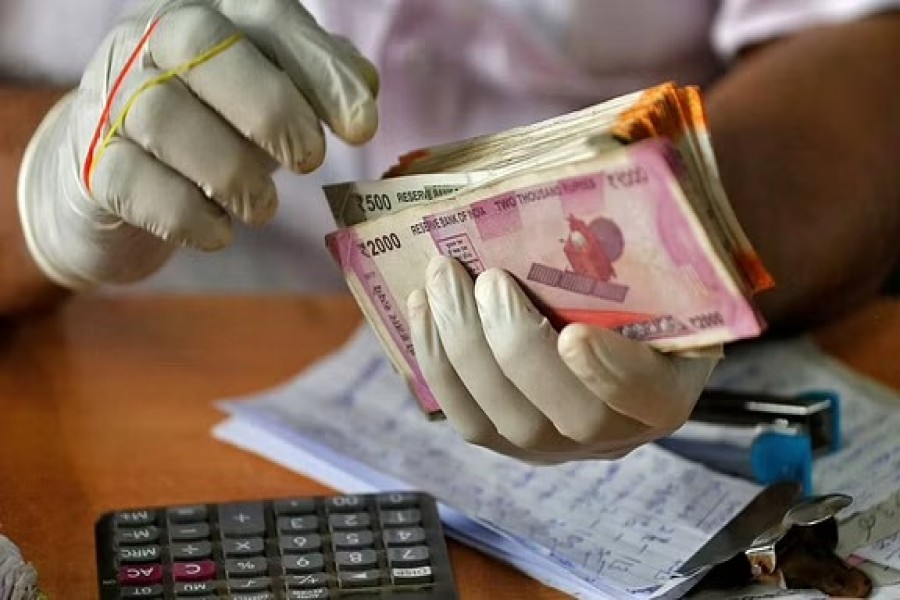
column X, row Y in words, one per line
column 762, row 438
column 776, row 457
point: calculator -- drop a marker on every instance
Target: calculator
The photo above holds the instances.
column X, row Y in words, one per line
column 387, row 546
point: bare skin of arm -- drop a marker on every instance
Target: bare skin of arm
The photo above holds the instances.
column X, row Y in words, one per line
column 806, row 132
column 23, row 287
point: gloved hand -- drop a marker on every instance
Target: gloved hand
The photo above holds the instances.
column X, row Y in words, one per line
column 507, row 381
column 178, row 124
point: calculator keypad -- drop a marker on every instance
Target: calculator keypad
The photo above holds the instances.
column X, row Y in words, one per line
column 390, row 545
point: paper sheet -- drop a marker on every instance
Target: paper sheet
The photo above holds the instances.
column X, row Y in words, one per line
column 617, row 526
column 876, row 527
column 592, row 529
column 886, row 552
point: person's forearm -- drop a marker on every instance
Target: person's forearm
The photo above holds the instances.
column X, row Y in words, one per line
column 807, row 132
column 23, row 286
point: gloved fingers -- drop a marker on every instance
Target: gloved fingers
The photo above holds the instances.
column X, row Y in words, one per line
column 524, row 345
column 451, row 299
column 460, row 408
column 620, row 453
column 556, row 458
column 183, row 133
column 257, row 98
column 336, row 82
column 650, row 387
column 362, row 64
column 457, row 404
column 134, row 186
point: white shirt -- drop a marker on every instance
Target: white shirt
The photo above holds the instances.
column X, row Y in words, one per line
column 450, row 69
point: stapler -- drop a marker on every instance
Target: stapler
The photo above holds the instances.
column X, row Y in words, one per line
column 763, row 437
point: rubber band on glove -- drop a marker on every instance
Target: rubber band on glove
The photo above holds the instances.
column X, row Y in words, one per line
column 178, row 124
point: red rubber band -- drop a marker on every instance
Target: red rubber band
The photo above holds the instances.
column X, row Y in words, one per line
column 117, row 86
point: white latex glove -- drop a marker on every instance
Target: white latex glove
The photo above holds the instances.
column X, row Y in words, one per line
column 507, row 381
column 254, row 80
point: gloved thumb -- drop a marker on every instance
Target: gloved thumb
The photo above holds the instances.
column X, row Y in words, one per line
column 632, row 378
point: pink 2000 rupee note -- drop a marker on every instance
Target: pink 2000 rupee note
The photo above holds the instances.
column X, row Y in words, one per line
column 611, row 241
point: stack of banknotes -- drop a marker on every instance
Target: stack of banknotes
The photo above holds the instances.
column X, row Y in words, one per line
column 613, row 215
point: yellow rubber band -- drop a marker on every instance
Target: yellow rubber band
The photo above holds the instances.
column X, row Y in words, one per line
column 159, row 80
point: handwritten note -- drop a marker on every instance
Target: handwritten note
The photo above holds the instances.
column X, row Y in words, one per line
column 617, row 526
column 760, row 592
column 877, row 527
column 885, row 552
column 607, row 529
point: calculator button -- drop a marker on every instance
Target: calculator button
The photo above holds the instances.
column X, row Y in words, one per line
column 253, row 596
column 256, row 584
column 200, row 570
column 135, row 518
column 293, row 544
column 398, row 500
column 308, row 548
column 139, row 554
column 187, row 514
column 185, row 533
column 316, row 594
column 359, row 579
column 237, row 547
column 294, row 506
column 356, row 559
column 305, row 524
column 409, row 536
column 393, row 518
column 345, row 503
column 348, row 521
column 144, row 591
column 352, row 539
column 137, row 535
column 408, row 557
column 188, row 589
column 303, row 582
column 411, row 576
column 138, row 575
column 191, row 551
column 246, row 567
column 304, row 563
column 242, row 520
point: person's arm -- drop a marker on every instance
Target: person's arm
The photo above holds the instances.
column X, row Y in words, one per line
column 23, row 286
column 807, row 137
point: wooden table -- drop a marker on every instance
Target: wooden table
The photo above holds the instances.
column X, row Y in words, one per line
column 109, row 402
